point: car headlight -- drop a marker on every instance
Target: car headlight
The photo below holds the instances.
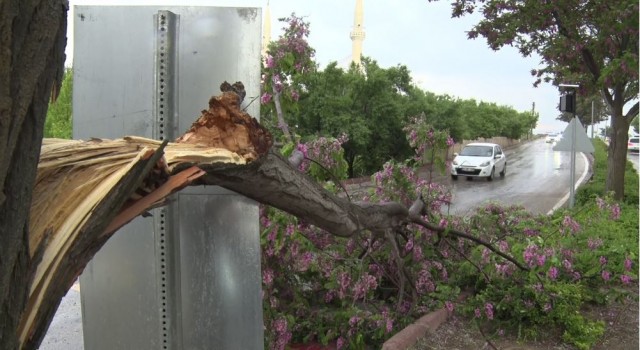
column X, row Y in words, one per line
column 485, row 163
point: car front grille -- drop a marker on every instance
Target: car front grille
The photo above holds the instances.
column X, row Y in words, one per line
column 461, row 171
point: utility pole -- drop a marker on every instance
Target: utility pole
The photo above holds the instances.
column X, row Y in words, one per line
column 568, row 104
column 533, row 113
column 592, row 110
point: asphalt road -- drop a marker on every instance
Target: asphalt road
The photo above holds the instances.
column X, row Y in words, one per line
column 537, row 178
column 65, row 331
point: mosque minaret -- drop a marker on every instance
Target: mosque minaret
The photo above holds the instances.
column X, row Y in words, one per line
column 266, row 30
column 357, row 34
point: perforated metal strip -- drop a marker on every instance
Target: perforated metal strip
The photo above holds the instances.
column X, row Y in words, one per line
column 165, row 107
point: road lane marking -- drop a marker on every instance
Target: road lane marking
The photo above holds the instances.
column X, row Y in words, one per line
column 575, row 186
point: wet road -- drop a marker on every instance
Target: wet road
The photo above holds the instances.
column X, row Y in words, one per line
column 537, row 178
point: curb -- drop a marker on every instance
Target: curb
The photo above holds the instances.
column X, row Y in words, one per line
column 410, row 334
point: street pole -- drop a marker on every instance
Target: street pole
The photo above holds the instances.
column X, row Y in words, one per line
column 592, row 108
column 568, row 103
column 573, row 162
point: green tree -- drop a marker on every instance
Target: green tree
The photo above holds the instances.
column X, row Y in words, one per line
column 58, row 123
column 364, row 102
column 593, row 43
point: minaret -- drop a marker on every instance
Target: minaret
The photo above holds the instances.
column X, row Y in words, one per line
column 266, row 30
column 357, row 34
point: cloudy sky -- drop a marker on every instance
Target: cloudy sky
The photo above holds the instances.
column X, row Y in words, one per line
column 415, row 33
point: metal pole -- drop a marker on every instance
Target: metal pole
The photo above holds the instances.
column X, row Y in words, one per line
column 573, row 163
column 592, row 108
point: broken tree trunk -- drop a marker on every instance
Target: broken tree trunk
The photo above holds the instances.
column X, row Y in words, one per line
column 86, row 190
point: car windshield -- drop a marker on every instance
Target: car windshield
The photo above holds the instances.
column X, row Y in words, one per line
column 477, row 151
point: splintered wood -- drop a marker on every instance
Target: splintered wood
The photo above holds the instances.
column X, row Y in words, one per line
column 225, row 125
column 73, row 211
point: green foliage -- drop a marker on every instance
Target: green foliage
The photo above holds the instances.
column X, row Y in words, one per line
column 373, row 105
column 58, row 123
column 574, row 258
column 581, row 332
column 596, row 187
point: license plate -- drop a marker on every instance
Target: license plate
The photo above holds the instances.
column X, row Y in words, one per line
column 468, row 169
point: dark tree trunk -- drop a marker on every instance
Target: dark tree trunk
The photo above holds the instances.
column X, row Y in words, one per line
column 617, row 155
column 32, row 43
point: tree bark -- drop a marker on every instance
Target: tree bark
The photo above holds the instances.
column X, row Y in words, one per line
column 282, row 124
column 271, row 180
column 32, row 43
column 617, row 153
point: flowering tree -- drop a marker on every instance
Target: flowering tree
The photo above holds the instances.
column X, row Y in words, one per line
column 287, row 58
column 593, row 43
column 526, row 272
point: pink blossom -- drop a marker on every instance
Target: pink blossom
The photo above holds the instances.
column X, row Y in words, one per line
column 571, row 224
column 449, row 305
column 477, row 313
column 417, row 253
column 265, row 98
column 567, row 265
column 553, row 273
column 353, row 321
column 625, row 279
column 576, row 275
column 389, row 325
column 408, row 246
column 270, row 62
column 488, row 310
column 603, row 260
column 340, row 343
column 606, row 275
column 628, row 264
column 547, row 307
column 294, row 95
column 538, row 287
column 594, row 243
column 289, row 230
column 615, row 211
column 267, row 276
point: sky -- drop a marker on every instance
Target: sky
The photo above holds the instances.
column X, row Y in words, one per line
column 418, row 34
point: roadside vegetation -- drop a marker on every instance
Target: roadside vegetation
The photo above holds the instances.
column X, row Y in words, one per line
column 522, row 273
column 58, row 123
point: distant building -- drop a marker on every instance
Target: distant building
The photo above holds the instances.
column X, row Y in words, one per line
column 266, row 30
column 357, row 34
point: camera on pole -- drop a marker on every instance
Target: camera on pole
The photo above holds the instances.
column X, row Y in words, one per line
column 568, row 102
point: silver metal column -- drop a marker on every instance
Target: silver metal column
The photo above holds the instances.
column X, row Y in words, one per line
column 188, row 277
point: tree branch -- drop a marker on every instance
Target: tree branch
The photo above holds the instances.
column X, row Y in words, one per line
column 273, row 181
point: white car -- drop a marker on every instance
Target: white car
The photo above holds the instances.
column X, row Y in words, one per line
column 479, row 160
column 551, row 138
column 632, row 145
